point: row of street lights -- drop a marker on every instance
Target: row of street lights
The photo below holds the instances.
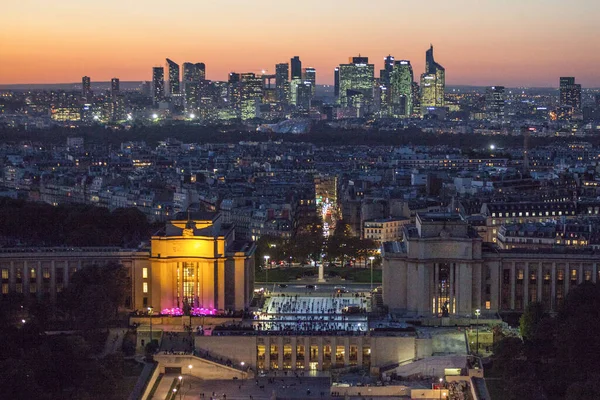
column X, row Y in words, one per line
column 181, row 384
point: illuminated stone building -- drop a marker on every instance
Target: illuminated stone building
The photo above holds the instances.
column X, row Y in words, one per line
column 443, row 265
column 196, row 261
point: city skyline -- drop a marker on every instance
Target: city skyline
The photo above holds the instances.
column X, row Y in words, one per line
column 510, row 44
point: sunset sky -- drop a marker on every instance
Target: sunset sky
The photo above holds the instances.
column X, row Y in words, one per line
column 479, row 42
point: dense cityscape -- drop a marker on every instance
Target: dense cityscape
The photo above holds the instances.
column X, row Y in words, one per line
column 296, row 231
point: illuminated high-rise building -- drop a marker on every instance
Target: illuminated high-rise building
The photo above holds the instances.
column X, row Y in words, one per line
column 86, row 87
column 433, row 83
column 356, row 83
column 193, row 81
column 114, row 87
column 570, row 93
column 296, row 67
column 173, row 70
column 282, row 84
column 251, row 95
column 401, row 89
column 158, row 85
column 336, row 82
column 494, row 102
column 310, row 75
column 386, row 73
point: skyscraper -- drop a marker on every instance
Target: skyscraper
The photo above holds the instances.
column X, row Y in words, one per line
column 570, row 93
column 494, row 102
column 433, row 83
column 158, row 85
column 251, row 94
column 336, row 82
column 296, row 67
column 356, row 83
column 282, row 85
column 86, row 87
column 173, row 69
column 310, row 75
column 386, row 72
column 114, row 87
column 193, row 77
column 401, row 89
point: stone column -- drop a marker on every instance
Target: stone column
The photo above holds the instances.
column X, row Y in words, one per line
column 346, row 351
column 294, row 344
column 321, row 272
column 580, row 273
column 567, row 278
column 553, row 287
column 38, row 280
column 540, row 280
column 53, row 279
column 320, row 351
column 433, row 289
column 306, row 353
column 451, row 308
column 333, row 350
column 513, row 286
column 359, row 358
column 595, row 273
column 280, row 353
column 267, row 353
column 526, row 285
column 495, row 270
column 12, row 277
column 477, row 273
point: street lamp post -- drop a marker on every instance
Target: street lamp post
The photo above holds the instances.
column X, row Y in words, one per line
column 441, row 380
column 371, row 258
column 180, row 386
column 267, row 269
column 477, row 314
column 150, row 315
column 242, row 364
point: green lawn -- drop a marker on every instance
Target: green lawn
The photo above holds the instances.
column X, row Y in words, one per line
column 285, row 274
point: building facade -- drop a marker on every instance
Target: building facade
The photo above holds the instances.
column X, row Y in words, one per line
column 443, row 268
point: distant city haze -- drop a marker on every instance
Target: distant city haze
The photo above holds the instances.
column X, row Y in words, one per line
column 491, row 42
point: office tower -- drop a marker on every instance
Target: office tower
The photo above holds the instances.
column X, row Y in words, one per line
column 597, row 100
column 336, row 82
column 386, row 72
column 251, row 94
column 494, row 102
column 114, row 87
column 296, row 67
column 158, row 85
column 304, row 91
column 433, row 83
column 356, row 83
column 173, row 70
column 193, row 81
column 416, row 98
column 234, row 89
column 282, row 85
column 401, row 89
column 296, row 79
column 310, row 75
column 86, row 88
column 570, row 93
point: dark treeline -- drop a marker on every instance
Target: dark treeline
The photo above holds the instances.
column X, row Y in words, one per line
column 41, row 224
column 558, row 355
column 320, row 135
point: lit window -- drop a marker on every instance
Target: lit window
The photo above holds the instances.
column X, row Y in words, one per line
column 32, row 273
column 46, row 273
column 4, row 273
column 145, row 287
column 144, row 273
column 488, row 305
column 5, row 288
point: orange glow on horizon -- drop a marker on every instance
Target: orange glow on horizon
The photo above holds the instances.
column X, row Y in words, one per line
column 511, row 44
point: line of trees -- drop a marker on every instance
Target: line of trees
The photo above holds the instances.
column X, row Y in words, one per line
column 557, row 356
column 310, row 245
column 41, row 224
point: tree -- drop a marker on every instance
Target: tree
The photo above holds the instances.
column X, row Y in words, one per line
column 530, row 320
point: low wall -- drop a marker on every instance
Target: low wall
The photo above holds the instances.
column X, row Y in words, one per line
column 429, row 394
column 181, row 321
column 369, row 391
column 201, row 368
column 150, row 383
